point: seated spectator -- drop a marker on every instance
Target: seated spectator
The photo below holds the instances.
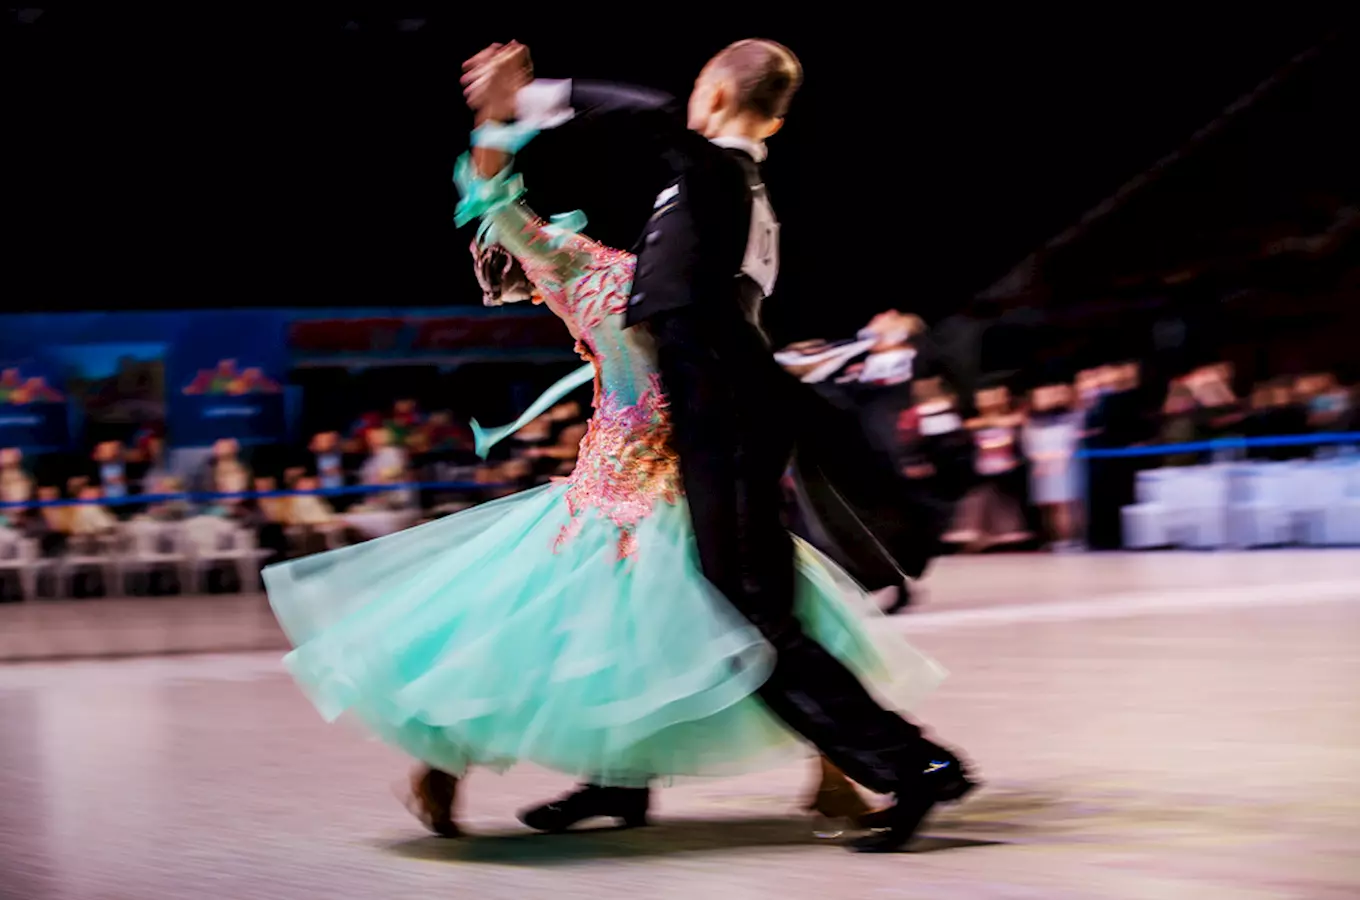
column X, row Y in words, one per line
column 330, row 471
column 111, row 469
column 146, row 460
column 406, row 420
column 1276, row 412
column 15, row 486
column 1180, row 422
column 268, row 517
column 176, row 509
column 271, row 509
column 1327, row 403
column 360, row 441
column 386, row 464
column 556, row 456
column 501, row 479
column 386, row 461
column 312, row 519
column 1351, row 422
column 535, row 433
column 224, row 473
column 91, row 519
column 52, row 527
column 1220, row 413
column 309, row 509
column 514, row 475
column 443, row 436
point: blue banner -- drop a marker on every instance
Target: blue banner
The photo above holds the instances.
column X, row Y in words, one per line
column 196, row 376
column 115, row 388
column 226, row 374
column 198, row 421
column 34, row 415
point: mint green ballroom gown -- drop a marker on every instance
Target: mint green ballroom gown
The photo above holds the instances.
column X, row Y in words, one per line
column 569, row 625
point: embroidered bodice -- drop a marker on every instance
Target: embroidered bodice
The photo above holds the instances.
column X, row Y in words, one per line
column 625, row 465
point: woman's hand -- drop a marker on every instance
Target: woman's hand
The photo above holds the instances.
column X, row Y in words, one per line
column 492, row 79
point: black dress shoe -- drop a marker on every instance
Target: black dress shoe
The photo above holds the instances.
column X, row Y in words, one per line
column 626, row 805
column 945, row 780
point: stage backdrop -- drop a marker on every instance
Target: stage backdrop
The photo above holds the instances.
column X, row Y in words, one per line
column 368, row 337
column 116, row 389
column 201, row 375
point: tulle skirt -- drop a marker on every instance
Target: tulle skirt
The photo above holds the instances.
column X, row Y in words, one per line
column 479, row 640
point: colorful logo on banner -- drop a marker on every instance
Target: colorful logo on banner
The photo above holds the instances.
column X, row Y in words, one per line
column 16, row 389
column 33, row 413
column 227, row 380
column 229, row 400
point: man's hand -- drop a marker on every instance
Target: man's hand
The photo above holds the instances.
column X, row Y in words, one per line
column 493, row 78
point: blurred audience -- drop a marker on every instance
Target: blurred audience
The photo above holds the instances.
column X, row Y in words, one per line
column 1016, row 464
column 330, row 463
column 89, row 518
column 991, row 514
column 1051, row 438
column 15, row 486
column 171, row 509
column 111, row 469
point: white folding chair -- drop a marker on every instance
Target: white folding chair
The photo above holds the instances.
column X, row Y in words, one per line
column 151, row 547
column 1202, row 505
column 1259, row 513
column 1151, row 522
column 213, row 541
column 86, row 552
column 1341, row 517
column 21, row 556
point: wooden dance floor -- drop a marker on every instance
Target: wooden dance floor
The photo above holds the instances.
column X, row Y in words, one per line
column 1161, row 726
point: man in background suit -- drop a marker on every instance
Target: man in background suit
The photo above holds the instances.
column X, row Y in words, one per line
column 684, row 191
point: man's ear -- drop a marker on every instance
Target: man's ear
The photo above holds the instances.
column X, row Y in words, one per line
column 719, row 98
column 771, row 129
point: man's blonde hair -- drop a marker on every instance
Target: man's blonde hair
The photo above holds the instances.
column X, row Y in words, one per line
column 766, row 75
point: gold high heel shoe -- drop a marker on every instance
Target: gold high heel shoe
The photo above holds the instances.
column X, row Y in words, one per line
column 837, row 803
column 433, row 794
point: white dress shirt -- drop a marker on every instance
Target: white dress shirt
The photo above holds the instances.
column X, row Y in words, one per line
column 544, row 103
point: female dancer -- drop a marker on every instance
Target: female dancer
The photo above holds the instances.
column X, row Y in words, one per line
column 568, row 625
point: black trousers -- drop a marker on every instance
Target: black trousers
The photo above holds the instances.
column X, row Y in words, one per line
column 732, row 418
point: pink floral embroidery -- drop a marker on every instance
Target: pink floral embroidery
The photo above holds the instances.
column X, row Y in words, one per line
column 598, row 276
column 625, row 466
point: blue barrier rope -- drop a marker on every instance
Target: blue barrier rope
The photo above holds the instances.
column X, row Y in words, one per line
column 208, row 496
column 1233, row 443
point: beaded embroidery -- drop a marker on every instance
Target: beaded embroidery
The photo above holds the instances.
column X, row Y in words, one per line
column 625, row 466
column 602, row 275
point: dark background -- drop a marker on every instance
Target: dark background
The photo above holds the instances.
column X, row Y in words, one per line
column 233, row 156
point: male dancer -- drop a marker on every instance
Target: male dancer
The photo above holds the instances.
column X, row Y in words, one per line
column 704, row 236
